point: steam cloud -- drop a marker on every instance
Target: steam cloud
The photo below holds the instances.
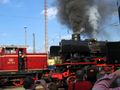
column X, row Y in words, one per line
column 84, row 16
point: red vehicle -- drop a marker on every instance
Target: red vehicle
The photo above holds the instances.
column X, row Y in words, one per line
column 16, row 64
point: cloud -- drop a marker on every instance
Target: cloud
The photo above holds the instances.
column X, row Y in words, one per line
column 30, row 49
column 37, row 49
column 4, row 1
column 51, row 12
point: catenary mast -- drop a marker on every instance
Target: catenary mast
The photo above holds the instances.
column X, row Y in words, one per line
column 46, row 27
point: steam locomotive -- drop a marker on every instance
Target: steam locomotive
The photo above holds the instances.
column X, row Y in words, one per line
column 74, row 54
column 77, row 50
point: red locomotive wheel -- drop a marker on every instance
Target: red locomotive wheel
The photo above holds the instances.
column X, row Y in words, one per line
column 70, row 79
column 18, row 83
column 65, row 74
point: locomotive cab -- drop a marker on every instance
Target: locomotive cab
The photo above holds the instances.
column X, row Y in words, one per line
column 12, row 58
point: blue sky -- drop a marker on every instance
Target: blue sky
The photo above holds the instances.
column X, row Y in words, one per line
column 15, row 14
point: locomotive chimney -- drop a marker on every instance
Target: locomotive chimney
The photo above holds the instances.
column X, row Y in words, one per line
column 76, row 37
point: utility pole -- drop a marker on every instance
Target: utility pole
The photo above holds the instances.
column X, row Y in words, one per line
column 34, row 43
column 46, row 26
column 25, row 28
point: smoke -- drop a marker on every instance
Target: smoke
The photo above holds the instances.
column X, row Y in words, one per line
column 85, row 16
column 93, row 19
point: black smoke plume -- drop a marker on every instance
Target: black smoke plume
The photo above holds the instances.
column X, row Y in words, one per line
column 84, row 16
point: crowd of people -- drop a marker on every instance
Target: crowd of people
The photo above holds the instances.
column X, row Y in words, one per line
column 89, row 79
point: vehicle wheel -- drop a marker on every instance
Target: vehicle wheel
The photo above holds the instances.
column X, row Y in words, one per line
column 18, row 82
column 70, row 79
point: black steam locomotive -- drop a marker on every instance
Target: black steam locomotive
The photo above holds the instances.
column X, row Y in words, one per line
column 77, row 50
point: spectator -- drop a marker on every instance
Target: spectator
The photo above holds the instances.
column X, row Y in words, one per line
column 39, row 76
column 40, row 85
column 105, row 82
column 92, row 74
column 118, row 81
column 52, row 86
column 80, row 83
column 28, row 83
column 101, row 73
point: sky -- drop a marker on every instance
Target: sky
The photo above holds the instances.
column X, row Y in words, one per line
column 17, row 14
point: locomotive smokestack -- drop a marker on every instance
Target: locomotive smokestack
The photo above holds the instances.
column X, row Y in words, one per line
column 76, row 37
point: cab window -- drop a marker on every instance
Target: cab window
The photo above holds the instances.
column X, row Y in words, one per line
column 10, row 51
